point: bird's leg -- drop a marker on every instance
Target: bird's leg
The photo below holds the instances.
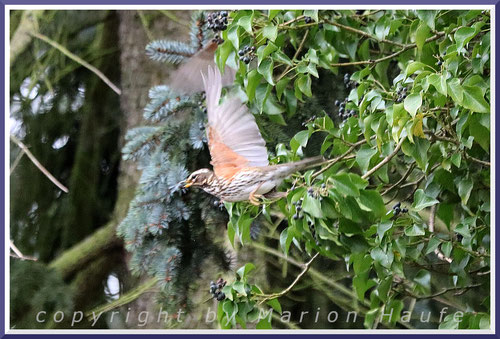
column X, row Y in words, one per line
column 254, row 197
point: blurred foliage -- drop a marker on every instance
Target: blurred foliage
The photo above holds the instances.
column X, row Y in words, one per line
column 412, row 132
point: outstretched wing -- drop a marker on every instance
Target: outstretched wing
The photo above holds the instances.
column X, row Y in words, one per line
column 186, row 79
column 234, row 139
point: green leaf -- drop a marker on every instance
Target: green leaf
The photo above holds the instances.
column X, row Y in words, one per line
column 270, row 32
column 266, row 69
column 423, row 279
column 463, row 35
column 361, row 284
column 383, row 258
column 239, row 287
column 428, row 17
column 246, row 23
column 275, row 304
column 414, row 66
column 264, row 324
column 313, row 13
column 439, row 83
column 343, row 184
column 474, row 100
column 312, row 206
column 412, row 103
column 285, row 240
column 265, row 50
column 303, row 83
column 253, row 78
column 464, row 186
column 280, row 87
column 282, row 57
column 273, row 13
column 364, row 156
column 455, row 90
column 414, row 230
column 421, row 34
column 243, row 271
column 372, row 201
column 421, row 200
column 299, row 140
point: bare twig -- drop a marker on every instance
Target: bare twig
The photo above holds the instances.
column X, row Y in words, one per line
column 446, row 290
column 79, row 60
column 366, row 35
column 337, row 159
column 16, row 161
column 292, row 285
column 18, row 254
column 301, row 45
column 393, row 55
column 38, row 164
column 437, row 251
column 482, row 162
column 385, row 160
column 403, row 178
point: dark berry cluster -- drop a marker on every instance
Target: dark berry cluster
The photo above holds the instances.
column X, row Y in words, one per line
column 314, row 193
column 397, row 209
column 217, row 21
column 347, row 81
column 298, row 209
column 440, row 62
column 216, row 289
column 343, row 112
column 401, row 92
column 308, row 19
column 313, row 231
column 247, row 53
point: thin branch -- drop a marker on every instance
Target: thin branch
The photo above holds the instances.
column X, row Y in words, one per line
column 366, row 35
column 437, row 251
column 385, row 160
column 301, row 45
column 79, row 60
column 482, row 162
column 38, row 164
column 446, row 290
column 403, row 178
column 18, row 254
column 305, row 266
column 393, row 55
column 337, row 159
column 16, row 162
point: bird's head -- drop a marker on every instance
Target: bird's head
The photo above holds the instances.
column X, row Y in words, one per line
column 200, row 178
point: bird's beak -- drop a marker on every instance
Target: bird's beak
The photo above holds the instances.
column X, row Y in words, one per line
column 188, row 183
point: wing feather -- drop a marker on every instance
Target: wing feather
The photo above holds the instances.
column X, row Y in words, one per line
column 234, row 138
column 186, row 79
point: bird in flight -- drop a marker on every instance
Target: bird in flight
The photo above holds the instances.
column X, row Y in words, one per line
column 241, row 169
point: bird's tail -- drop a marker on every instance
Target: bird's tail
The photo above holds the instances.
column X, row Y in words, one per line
column 307, row 163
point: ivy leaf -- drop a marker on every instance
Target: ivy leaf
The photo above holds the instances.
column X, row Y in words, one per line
column 343, row 184
column 455, row 90
column 474, row 100
column 421, row 200
column 464, row 186
column 414, row 230
column 428, row 17
column 253, row 80
column 312, row 206
column 439, row 83
column 303, row 83
column 423, row 280
column 412, row 103
column 421, row 34
column 275, row 304
column 364, row 156
column 372, row 201
column 246, row 23
column 463, row 35
column 264, row 51
column 270, row 32
column 266, row 69
column 286, row 238
column 243, row 271
column 383, row 258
